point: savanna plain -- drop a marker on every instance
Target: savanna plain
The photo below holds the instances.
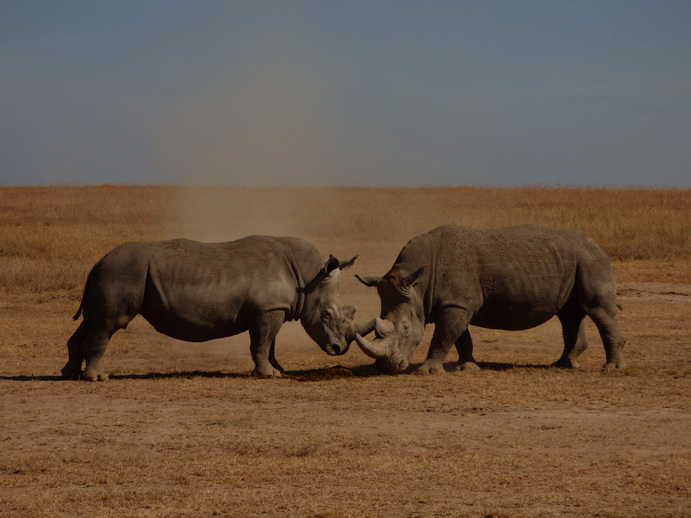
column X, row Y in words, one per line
column 183, row 429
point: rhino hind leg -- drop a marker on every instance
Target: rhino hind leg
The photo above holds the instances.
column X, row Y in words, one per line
column 95, row 343
column 75, row 358
column 94, row 347
column 598, row 298
column 464, row 346
column 575, row 339
column 612, row 339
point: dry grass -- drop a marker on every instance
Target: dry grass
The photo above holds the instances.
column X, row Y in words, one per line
column 181, row 430
column 51, row 235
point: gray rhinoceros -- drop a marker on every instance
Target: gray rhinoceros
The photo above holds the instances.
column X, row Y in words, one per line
column 512, row 278
column 201, row 291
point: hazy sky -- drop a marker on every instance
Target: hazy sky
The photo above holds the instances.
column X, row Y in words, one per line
column 259, row 92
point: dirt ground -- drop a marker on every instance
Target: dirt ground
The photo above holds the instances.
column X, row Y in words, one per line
column 182, row 430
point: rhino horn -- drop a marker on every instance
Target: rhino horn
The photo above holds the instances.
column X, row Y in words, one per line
column 383, row 327
column 373, row 349
column 366, row 328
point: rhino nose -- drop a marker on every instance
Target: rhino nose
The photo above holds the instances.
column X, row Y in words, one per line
column 391, row 366
column 335, row 349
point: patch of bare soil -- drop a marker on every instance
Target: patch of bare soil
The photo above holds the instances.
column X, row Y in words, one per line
column 666, row 292
column 183, row 430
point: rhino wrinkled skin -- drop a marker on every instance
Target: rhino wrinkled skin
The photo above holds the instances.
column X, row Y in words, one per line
column 512, row 278
column 201, row 291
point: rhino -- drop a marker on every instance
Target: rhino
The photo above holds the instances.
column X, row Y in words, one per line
column 511, row 278
column 196, row 292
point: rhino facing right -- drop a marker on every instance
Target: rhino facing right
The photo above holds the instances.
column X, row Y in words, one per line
column 513, row 278
column 202, row 291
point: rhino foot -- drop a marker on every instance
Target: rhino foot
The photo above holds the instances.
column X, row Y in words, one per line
column 468, row 366
column 612, row 366
column 266, row 373
column 93, row 376
column 70, row 373
column 430, row 368
column 565, row 363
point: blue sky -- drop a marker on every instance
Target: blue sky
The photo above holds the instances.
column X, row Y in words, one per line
column 487, row 93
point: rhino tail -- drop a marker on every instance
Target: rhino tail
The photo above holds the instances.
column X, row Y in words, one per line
column 85, row 292
column 79, row 311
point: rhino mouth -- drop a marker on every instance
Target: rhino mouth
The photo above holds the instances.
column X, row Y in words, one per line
column 335, row 349
column 391, row 366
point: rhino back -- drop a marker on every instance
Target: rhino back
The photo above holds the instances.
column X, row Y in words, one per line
column 512, row 278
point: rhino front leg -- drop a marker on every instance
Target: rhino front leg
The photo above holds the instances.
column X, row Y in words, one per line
column 449, row 327
column 464, row 346
column 263, row 333
column 272, row 358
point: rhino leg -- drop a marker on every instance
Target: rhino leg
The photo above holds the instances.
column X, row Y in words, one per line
column 95, row 344
column 575, row 340
column 93, row 348
column 449, row 327
column 464, row 346
column 598, row 298
column 263, row 331
column 272, row 358
column 73, row 368
column 611, row 336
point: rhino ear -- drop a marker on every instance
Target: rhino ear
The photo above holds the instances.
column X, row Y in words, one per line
column 413, row 278
column 346, row 264
column 348, row 312
column 331, row 264
column 369, row 280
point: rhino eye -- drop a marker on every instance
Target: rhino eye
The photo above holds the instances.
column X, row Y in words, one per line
column 327, row 314
column 406, row 328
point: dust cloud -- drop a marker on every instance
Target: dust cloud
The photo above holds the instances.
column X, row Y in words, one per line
column 239, row 146
column 224, row 213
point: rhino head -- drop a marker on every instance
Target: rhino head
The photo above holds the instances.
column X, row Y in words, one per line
column 323, row 317
column 400, row 328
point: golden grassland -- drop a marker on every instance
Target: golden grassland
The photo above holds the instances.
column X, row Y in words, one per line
column 182, row 430
column 49, row 236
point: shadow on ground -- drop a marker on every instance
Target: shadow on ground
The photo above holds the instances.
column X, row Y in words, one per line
column 149, row 375
column 336, row 372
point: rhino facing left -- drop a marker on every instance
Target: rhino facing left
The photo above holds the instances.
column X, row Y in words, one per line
column 196, row 292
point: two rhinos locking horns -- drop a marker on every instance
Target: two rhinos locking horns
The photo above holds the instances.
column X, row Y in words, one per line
column 511, row 278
